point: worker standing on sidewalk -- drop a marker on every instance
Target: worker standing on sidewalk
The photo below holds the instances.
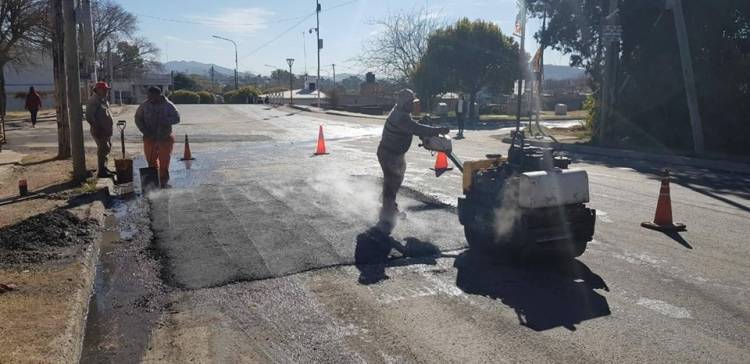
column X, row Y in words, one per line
column 33, row 104
column 154, row 118
column 460, row 115
column 100, row 120
column 398, row 133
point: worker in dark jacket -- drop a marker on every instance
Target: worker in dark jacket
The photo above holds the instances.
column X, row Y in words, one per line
column 154, row 118
column 99, row 118
column 461, row 109
column 33, row 104
column 398, row 133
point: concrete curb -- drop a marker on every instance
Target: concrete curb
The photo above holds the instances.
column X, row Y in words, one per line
column 76, row 328
column 725, row 166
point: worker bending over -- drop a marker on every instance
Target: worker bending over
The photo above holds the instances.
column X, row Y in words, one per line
column 398, row 132
column 154, row 118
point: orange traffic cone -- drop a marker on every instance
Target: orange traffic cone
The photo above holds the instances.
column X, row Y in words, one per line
column 187, row 156
column 663, row 217
column 321, row 149
column 441, row 164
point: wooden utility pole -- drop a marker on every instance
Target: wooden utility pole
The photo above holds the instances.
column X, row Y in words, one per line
column 72, row 77
column 687, row 75
column 612, row 43
column 87, row 40
column 58, row 69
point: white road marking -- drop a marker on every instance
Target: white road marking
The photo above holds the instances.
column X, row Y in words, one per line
column 664, row 308
column 603, row 216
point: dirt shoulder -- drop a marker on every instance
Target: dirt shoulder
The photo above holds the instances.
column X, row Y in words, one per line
column 49, row 245
column 49, row 261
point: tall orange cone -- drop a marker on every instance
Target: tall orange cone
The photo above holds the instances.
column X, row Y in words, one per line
column 187, row 156
column 441, row 164
column 663, row 217
column 321, row 149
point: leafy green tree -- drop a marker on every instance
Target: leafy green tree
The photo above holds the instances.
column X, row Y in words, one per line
column 650, row 107
column 469, row 56
column 184, row 82
column 428, row 82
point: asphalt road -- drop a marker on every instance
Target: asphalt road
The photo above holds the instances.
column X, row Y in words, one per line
column 268, row 250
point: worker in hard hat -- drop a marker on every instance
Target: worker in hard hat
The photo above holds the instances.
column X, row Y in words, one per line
column 398, row 133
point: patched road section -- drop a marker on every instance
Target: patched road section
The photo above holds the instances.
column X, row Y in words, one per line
column 217, row 234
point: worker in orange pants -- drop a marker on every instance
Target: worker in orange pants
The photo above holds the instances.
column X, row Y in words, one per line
column 158, row 153
column 154, row 118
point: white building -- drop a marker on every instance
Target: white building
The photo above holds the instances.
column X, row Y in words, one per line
column 18, row 79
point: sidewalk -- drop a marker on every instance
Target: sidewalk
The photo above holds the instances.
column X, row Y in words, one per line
column 714, row 164
column 49, row 246
column 44, row 315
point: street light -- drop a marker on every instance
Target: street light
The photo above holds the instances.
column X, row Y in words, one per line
column 290, row 62
column 236, row 77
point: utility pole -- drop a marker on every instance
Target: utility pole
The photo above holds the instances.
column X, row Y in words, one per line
column 333, row 66
column 73, row 78
column 88, row 51
column 521, row 63
column 687, row 74
column 540, row 74
column 290, row 61
column 320, row 45
column 611, row 37
column 58, row 69
column 304, row 50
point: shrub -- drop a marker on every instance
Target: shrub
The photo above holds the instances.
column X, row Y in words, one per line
column 206, row 97
column 185, row 97
column 244, row 95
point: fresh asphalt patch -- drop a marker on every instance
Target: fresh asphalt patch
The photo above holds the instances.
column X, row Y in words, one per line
column 213, row 235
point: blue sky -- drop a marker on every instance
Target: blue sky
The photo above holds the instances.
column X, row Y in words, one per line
column 183, row 29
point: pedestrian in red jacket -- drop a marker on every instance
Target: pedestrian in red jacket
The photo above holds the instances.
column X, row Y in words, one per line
column 33, row 104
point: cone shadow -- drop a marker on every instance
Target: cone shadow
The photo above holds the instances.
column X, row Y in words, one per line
column 678, row 238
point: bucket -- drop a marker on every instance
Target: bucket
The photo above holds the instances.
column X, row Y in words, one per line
column 149, row 178
column 124, row 170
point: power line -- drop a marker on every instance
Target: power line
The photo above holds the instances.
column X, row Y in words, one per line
column 209, row 22
column 278, row 36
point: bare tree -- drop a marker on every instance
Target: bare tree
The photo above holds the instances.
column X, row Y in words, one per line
column 396, row 48
column 20, row 21
column 112, row 23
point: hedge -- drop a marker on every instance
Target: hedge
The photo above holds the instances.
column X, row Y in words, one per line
column 185, row 97
column 206, row 97
column 244, row 95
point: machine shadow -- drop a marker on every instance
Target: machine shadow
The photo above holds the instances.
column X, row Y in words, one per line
column 544, row 294
column 372, row 254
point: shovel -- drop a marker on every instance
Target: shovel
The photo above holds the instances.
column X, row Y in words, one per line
column 123, row 167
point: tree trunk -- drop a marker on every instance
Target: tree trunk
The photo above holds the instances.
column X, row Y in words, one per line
column 3, row 98
column 58, row 67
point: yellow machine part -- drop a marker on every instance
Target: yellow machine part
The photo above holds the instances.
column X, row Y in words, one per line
column 472, row 166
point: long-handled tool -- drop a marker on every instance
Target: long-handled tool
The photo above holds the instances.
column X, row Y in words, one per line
column 124, row 166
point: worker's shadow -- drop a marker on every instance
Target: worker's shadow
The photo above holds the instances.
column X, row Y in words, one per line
column 544, row 294
column 375, row 251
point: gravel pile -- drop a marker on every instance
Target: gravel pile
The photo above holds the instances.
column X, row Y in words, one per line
column 36, row 239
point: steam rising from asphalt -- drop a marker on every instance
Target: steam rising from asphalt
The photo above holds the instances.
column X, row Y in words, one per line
column 354, row 196
column 508, row 212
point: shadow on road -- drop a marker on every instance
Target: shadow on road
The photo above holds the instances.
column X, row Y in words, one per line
column 678, row 238
column 706, row 182
column 373, row 249
column 545, row 294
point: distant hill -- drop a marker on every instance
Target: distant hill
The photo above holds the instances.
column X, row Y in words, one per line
column 555, row 72
column 198, row 68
